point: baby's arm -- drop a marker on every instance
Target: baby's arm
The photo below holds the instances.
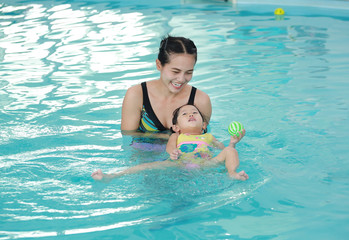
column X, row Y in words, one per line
column 171, row 147
column 217, row 143
column 235, row 139
column 106, row 177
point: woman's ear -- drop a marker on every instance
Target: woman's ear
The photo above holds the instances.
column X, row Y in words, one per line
column 158, row 64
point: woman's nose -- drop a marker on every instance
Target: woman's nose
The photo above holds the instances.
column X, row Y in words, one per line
column 181, row 78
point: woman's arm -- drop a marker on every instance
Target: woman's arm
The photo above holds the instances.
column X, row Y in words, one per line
column 131, row 108
column 151, row 135
column 131, row 114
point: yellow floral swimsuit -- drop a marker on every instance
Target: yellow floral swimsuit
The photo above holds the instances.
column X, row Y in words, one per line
column 195, row 149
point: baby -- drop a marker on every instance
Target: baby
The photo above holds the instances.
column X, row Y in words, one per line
column 188, row 146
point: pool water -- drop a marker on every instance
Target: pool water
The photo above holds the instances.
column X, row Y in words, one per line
column 66, row 65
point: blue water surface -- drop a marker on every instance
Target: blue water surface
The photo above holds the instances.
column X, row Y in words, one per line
column 66, row 65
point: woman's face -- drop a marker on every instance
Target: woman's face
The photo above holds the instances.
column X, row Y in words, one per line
column 178, row 72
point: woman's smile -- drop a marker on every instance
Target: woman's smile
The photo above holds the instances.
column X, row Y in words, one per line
column 177, row 85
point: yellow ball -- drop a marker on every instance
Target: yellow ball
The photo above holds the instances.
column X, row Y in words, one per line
column 279, row 11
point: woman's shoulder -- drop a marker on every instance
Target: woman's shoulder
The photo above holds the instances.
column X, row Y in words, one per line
column 203, row 102
column 134, row 90
column 138, row 87
column 133, row 96
column 201, row 94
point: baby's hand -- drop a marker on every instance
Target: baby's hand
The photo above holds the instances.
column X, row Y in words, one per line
column 97, row 175
column 175, row 154
column 235, row 139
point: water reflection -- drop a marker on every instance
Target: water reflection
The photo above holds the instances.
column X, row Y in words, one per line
column 57, row 47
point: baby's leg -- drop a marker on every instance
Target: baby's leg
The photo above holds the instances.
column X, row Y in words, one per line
column 106, row 177
column 231, row 158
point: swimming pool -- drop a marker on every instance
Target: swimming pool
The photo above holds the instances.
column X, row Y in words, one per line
column 65, row 67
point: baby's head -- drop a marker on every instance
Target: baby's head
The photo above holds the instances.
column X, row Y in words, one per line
column 188, row 119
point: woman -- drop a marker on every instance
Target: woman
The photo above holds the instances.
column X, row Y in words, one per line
column 148, row 106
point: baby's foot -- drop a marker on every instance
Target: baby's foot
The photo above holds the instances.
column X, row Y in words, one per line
column 240, row 175
column 97, row 175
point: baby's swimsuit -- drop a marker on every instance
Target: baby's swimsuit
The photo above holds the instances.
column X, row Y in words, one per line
column 149, row 121
column 195, row 148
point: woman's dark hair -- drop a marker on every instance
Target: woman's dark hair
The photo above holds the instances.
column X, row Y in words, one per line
column 170, row 45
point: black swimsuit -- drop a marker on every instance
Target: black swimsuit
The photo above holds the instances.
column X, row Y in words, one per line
column 149, row 121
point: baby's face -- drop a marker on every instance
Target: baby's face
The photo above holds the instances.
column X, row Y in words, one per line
column 189, row 117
